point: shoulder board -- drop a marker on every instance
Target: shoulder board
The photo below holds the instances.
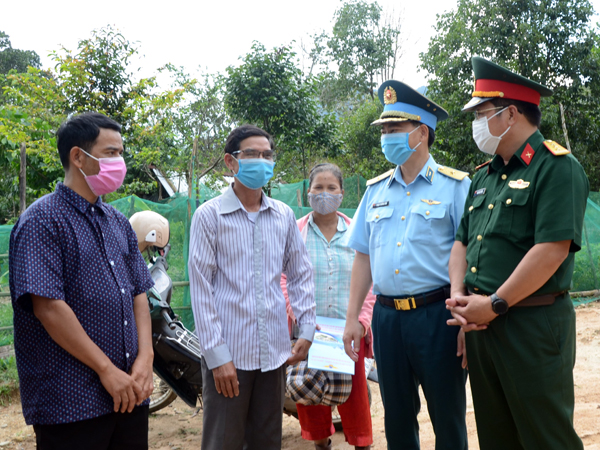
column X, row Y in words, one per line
column 483, row 165
column 556, row 149
column 383, row 176
column 453, row 173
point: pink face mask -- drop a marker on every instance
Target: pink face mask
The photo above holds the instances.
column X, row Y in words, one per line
column 111, row 175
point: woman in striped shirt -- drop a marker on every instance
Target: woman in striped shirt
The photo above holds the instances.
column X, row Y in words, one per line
column 322, row 231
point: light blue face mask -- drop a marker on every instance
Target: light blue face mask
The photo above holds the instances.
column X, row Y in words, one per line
column 395, row 147
column 254, row 173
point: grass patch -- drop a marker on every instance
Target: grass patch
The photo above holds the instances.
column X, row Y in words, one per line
column 6, row 320
column 9, row 379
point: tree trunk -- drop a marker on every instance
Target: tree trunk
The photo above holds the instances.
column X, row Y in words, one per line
column 191, row 178
column 564, row 126
column 23, row 180
column 196, row 179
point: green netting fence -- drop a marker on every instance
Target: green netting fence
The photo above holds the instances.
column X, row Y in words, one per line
column 179, row 210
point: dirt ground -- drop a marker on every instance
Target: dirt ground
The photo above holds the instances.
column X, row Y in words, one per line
column 180, row 427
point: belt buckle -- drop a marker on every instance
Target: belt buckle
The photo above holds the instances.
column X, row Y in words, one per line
column 404, row 304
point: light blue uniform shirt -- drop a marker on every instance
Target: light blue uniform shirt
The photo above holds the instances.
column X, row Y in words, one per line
column 408, row 230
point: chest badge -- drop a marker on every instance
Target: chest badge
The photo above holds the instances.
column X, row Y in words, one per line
column 431, row 202
column 518, row 184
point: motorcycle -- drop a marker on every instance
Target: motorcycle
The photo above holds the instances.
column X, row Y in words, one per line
column 177, row 358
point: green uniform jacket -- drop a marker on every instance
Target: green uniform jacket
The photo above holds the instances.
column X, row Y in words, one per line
column 537, row 197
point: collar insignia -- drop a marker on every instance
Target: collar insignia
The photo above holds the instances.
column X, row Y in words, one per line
column 527, row 154
column 429, row 174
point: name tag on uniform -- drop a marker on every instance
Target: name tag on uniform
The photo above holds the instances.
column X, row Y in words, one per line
column 380, row 204
column 479, row 192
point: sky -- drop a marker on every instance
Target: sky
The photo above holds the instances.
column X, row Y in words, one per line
column 202, row 35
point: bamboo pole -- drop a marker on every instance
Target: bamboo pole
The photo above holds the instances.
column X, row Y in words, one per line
column 580, row 294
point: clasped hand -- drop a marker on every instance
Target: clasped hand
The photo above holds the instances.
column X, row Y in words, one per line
column 470, row 312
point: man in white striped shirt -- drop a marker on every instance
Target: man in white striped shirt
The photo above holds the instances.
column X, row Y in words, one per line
column 241, row 242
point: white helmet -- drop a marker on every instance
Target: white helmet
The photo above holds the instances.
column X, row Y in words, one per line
column 151, row 228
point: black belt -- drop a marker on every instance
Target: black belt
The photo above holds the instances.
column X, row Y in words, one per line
column 534, row 300
column 408, row 302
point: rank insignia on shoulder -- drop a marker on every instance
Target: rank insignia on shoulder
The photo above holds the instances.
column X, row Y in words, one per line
column 380, row 204
column 556, row 149
column 518, row 184
column 453, row 173
column 383, row 176
column 479, row 192
column 483, row 165
column 431, row 202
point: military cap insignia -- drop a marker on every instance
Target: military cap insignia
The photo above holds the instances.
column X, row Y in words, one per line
column 556, row 149
column 453, row 173
column 389, row 96
column 383, row 176
column 431, row 202
column 518, row 184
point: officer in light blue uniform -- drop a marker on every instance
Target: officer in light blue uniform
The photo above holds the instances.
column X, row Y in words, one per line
column 403, row 232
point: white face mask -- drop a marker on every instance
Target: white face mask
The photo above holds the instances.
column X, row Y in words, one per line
column 486, row 142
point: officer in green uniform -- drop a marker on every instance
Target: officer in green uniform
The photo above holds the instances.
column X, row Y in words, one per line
column 511, row 268
column 403, row 231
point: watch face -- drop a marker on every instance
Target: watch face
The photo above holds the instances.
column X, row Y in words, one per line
column 499, row 306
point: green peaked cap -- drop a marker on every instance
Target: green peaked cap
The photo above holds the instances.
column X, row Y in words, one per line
column 494, row 81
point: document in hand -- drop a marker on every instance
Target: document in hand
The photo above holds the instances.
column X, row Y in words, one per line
column 327, row 350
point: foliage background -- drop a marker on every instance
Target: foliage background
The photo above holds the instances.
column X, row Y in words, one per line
column 318, row 101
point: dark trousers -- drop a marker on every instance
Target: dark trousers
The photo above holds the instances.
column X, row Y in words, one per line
column 521, row 371
column 253, row 420
column 417, row 347
column 114, row 431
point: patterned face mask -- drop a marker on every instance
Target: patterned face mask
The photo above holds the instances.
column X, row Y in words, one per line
column 325, row 203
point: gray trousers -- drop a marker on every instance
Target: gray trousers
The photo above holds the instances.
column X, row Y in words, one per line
column 251, row 421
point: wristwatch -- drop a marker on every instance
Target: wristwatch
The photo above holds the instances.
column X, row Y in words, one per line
column 499, row 305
